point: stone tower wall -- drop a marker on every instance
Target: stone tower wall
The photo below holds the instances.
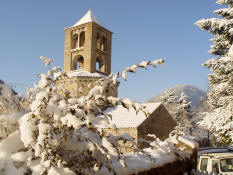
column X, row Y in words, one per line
column 74, row 84
column 89, row 51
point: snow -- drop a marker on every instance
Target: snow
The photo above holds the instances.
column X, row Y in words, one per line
column 212, row 150
column 84, row 73
column 88, row 17
column 193, row 144
column 119, row 114
column 136, row 163
column 71, row 120
column 27, row 127
column 12, row 143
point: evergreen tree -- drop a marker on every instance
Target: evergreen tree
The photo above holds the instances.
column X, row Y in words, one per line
column 220, row 97
column 180, row 109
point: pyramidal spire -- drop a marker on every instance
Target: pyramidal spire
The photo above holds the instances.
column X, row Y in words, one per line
column 88, row 17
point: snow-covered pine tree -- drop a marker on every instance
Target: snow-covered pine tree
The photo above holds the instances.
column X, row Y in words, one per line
column 180, row 109
column 185, row 113
column 220, row 97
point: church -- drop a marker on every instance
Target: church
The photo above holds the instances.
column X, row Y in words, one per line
column 87, row 58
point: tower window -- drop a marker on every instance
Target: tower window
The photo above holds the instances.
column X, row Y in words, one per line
column 77, row 62
column 103, row 43
column 100, row 64
column 82, row 39
column 74, row 41
column 98, row 42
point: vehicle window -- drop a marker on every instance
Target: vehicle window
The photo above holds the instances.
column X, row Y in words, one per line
column 215, row 167
column 226, row 165
column 204, row 163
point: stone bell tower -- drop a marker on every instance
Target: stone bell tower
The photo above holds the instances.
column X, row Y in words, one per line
column 88, row 46
column 87, row 56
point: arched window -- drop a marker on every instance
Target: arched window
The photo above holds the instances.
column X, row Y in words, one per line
column 100, row 64
column 82, row 39
column 103, row 43
column 98, row 43
column 74, row 41
column 77, row 62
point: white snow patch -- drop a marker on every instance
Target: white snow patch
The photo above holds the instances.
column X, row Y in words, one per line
column 190, row 142
column 84, row 73
column 123, row 118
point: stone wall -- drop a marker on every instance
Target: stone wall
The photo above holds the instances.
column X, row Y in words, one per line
column 124, row 147
column 159, row 123
column 74, row 84
column 178, row 167
column 89, row 51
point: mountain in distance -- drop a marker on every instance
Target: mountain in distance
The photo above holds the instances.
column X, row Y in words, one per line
column 193, row 94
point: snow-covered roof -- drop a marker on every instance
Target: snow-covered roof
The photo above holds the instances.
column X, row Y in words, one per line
column 122, row 118
column 88, row 17
column 84, row 73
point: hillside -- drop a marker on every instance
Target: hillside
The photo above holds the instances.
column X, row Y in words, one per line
column 9, row 99
column 193, row 94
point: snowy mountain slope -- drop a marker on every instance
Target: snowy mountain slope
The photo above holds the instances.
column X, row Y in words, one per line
column 9, row 99
column 193, row 94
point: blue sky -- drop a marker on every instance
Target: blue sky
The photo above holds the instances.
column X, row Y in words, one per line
column 148, row 29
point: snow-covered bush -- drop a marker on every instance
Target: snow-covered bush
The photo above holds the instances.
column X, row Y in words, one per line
column 58, row 134
column 220, row 97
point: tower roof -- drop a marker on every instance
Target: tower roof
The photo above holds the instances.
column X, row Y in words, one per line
column 88, row 17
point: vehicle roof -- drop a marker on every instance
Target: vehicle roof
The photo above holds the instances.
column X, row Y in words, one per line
column 219, row 155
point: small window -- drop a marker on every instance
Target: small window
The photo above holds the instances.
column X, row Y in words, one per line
column 77, row 62
column 204, row 163
column 74, row 42
column 103, row 44
column 226, row 165
column 82, row 39
column 98, row 42
column 100, row 64
column 97, row 66
column 215, row 167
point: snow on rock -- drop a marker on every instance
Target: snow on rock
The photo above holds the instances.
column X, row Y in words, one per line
column 138, row 162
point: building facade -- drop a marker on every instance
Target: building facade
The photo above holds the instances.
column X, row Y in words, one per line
column 159, row 123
